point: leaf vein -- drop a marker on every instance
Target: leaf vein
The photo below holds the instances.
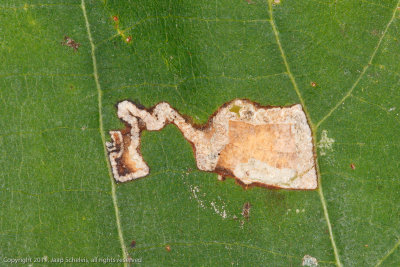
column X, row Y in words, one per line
column 292, row 79
column 101, row 129
column 376, row 105
column 390, row 252
column 364, row 70
column 192, row 78
column 288, row 71
column 122, row 32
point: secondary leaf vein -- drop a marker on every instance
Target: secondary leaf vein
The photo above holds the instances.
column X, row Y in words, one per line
column 364, row 70
column 390, row 252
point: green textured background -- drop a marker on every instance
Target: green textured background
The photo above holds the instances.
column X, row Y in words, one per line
column 57, row 198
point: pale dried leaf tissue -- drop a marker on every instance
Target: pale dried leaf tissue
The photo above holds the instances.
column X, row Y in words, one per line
column 257, row 145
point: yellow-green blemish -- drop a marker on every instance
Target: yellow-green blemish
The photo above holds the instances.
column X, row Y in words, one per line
column 127, row 39
column 235, row 109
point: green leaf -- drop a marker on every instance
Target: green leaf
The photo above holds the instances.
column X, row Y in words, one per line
column 339, row 59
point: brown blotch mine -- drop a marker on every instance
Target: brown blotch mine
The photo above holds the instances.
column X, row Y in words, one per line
column 250, row 141
column 265, row 146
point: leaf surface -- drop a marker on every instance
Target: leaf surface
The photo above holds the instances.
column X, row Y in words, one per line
column 339, row 59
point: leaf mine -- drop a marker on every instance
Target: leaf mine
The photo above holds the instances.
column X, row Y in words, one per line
column 257, row 145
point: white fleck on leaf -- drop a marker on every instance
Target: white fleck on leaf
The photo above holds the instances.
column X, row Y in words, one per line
column 325, row 144
column 309, row 261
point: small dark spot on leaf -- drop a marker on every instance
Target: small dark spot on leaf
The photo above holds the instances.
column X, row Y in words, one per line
column 71, row 43
column 246, row 210
column 248, row 115
column 133, row 243
column 188, row 171
column 375, row 32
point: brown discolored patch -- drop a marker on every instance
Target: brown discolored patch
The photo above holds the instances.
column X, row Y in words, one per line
column 313, row 84
column 375, row 32
column 270, row 143
column 246, row 210
column 126, row 160
column 133, row 244
column 125, row 163
column 71, row 43
column 168, row 248
column 352, row 166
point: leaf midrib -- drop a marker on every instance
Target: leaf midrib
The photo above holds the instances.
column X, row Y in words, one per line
column 314, row 129
column 103, row 139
